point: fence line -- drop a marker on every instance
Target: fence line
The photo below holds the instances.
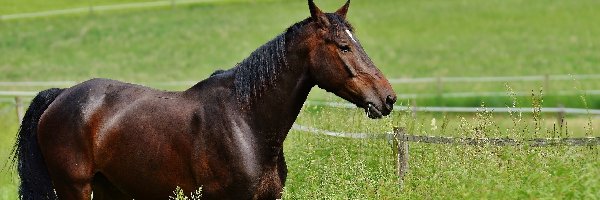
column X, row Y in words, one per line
column 535, row 142
column 496, row 78
column 402, row 96
column 580, row 111
column 466, row 109
column 37, row 83
column 392, row 80
column 494, row 94
column 92, row 8
column 18, row 93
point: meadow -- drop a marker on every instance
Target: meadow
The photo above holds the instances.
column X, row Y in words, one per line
column 406, row 39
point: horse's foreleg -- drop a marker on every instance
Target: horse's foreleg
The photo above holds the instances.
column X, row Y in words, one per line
column 105, row 190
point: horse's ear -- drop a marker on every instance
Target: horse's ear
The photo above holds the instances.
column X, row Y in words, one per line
column 343, row 10
column 317, row 15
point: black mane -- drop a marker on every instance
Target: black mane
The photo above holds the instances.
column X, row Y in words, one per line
column 259, row 71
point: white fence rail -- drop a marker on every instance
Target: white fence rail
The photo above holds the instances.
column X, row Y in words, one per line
column 402, row 96
column 467, row 109
column 392, row 80
column 16, row 96
column 497, row 78
column 93, row 8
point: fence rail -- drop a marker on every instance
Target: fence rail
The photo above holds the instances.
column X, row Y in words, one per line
column 402, row 96
column 467, row 109
column 497, row 78
column 94, row 8
column 19, row 102
column 392, row 80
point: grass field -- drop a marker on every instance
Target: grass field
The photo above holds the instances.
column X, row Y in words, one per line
column 407, row 38
column 414, row 39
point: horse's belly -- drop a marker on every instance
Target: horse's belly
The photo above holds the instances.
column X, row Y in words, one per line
column 147, row 171
column 145, row 157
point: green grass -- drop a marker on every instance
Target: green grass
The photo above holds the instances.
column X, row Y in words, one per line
column 323, row 167
column 406, row 38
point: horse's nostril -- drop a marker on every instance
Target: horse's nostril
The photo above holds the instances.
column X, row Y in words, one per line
column 390, row 100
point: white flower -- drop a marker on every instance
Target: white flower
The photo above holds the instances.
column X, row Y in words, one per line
column 433, row 125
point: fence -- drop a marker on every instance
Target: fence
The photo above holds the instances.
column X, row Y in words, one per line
column 18, row 100
column 468, row 109
column 94, row 8
column 400, row 139
column 544, row 78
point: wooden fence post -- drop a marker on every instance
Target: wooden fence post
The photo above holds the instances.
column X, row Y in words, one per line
column 547, row 84
column 19, row 105
column 402, row 160
column 439, row 86
column 91, row 7
column 560, row 116
column 413, row 108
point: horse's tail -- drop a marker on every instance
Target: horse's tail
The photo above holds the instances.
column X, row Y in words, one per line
column 35, row 180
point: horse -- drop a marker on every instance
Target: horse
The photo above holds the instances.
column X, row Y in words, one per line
column 225, row 134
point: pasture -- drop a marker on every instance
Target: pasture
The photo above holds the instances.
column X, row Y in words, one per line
column 404, row 38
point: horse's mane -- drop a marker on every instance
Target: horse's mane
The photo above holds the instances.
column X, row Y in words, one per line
column 260, row 70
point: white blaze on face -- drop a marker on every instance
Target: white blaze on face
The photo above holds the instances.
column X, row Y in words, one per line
column 350, row 34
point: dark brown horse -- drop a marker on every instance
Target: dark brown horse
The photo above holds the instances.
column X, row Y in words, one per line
column 224, row 134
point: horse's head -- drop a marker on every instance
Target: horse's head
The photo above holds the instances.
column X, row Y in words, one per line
column 339, row 64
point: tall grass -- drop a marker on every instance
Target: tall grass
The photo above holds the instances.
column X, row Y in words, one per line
column 442, row 171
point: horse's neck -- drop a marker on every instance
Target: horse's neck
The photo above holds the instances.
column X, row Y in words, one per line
column 274, row 113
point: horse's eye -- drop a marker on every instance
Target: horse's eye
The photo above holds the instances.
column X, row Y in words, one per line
column 345, row 48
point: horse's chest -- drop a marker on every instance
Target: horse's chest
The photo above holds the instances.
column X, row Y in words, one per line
column 236, row 184
column 270, row 185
